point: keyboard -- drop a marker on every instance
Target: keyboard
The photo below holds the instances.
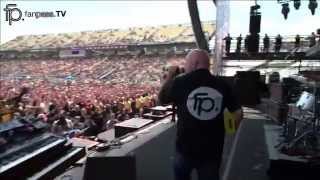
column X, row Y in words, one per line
column 27, row 159
column 58, row 166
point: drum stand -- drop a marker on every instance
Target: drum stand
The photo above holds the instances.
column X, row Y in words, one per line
column 307, row 134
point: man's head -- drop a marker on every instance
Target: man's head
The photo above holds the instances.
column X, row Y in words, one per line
column 197, row 59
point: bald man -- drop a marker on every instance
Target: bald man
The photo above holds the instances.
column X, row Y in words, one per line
column 200, row 99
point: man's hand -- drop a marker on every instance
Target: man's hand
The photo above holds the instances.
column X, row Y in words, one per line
column 171, row 73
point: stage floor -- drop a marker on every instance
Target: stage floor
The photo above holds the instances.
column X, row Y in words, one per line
column 246, row 158
column 245, row 154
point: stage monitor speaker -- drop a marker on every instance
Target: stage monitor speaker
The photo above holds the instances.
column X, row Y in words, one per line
column 255, row 21
column 148, row 157
column 102, row 168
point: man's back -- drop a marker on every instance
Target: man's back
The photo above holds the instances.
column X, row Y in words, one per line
column 201, row 99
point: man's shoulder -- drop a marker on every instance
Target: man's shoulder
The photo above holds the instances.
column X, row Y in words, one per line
column 185, row 77
column 181, row 77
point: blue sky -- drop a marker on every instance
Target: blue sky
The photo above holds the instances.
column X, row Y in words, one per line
column 98, row 15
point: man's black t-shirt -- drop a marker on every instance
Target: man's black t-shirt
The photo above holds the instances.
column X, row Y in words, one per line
column 201, row 99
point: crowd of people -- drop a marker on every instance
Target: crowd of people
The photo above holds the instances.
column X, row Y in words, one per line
column 126, row 69
column 90, row 94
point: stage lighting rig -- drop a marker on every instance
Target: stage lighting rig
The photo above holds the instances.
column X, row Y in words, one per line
column 285, row 10
column 312, row 6
column 296, row 4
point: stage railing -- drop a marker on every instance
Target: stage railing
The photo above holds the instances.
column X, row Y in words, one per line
column 288, row 44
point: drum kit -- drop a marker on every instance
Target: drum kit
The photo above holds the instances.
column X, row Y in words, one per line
column 301, row 133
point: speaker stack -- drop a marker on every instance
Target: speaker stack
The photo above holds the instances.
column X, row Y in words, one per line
column 255, row 21
column 254, row 29
column 246, row 87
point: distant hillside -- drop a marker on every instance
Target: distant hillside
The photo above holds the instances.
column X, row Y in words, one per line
column 152, row 34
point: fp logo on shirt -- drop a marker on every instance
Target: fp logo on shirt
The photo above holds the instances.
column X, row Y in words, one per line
column 204, row 103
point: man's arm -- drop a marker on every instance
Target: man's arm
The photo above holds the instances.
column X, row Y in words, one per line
column 238, row 115
column 165, row 90
column 165, row 93
column 233, row 105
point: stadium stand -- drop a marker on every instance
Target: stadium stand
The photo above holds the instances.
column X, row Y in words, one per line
column 159, row 34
